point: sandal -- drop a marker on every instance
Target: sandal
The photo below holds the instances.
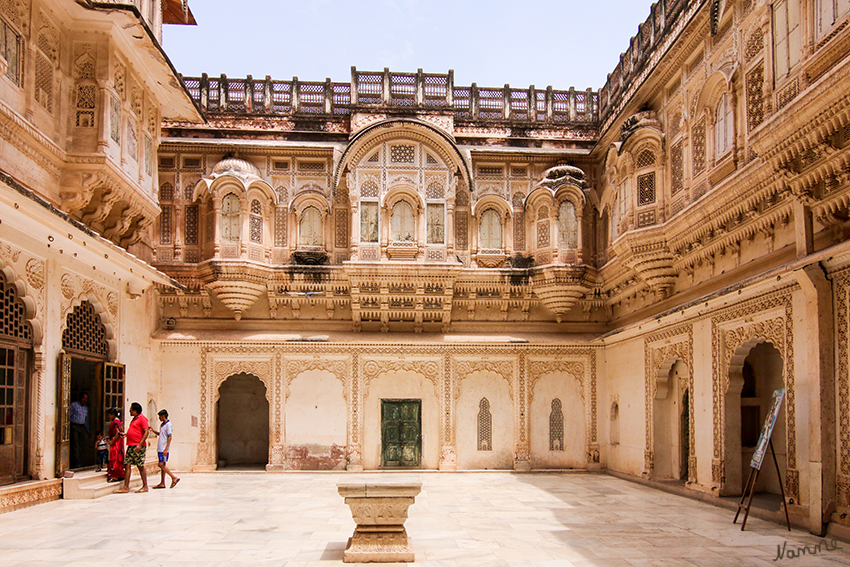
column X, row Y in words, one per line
column 173, row 484
column 158, row 486
column 121, row 491
column 141, row 490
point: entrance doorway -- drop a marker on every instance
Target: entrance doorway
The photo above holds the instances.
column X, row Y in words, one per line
column 84, row 369
column 243, row 423
column 401, row 433
column 670, row 423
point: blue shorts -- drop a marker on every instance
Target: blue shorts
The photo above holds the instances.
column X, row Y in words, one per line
column 162, row 457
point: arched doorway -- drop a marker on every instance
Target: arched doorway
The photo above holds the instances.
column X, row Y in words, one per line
column 85, row 370
column 670, row 417
column 16, row 338
column 242, row 422
column 756, row 372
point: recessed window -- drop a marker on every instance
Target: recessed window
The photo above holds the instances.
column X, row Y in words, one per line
column 231, row 222
column 787, row 36
column 490, row 231
column 10, row 49
column 723, row 126
column 402, row 223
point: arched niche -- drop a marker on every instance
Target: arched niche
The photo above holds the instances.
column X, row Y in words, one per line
column 242, row 422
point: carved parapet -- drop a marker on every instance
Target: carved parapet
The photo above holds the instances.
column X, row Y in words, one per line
column 559, row 288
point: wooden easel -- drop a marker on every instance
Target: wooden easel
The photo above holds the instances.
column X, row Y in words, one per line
column 750, row 487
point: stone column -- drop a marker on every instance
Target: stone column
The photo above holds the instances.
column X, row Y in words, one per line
column 820, row 385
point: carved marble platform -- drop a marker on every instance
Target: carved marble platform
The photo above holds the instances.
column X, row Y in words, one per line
column 379, row 509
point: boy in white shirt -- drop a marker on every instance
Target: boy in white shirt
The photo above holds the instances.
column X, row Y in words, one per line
column 162, row 446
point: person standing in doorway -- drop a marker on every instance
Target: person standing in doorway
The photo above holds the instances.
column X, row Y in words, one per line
column 115, row 472
column 137, row 443
column 163, row 445
column 79, row 416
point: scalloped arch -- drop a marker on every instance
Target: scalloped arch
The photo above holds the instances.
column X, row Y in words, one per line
column 30, row 305
column 102, row 313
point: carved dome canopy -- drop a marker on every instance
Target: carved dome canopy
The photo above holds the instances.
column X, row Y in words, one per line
column 235, row 166
column 562, row 175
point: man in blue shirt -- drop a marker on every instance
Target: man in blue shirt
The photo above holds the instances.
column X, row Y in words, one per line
column 79, row 416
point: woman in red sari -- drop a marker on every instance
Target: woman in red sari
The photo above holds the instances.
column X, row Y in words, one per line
column 115, row 472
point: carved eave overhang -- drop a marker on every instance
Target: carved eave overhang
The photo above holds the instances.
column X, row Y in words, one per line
column 30, row 220
column 99, row 193
column 389, row 292
column 646, row 252
column 560, row 287
column 808, row 122
column 139, row 44
column 439, row 138
column 639, row 128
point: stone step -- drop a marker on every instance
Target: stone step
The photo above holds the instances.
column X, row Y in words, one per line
column 89, row 484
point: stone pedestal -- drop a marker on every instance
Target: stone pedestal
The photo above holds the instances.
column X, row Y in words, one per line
column 379, row 509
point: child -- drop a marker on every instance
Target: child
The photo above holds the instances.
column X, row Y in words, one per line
column 162, row 447
column 102, row 452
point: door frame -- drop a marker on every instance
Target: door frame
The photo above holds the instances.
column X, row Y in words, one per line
column 418, row 401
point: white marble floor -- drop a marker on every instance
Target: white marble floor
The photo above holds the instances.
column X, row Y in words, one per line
column 459, row 519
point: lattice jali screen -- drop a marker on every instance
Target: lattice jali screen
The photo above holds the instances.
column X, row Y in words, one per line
column 191, row 231
column 519, row 230
column 44, row 82
column 645, row 159
column 485, row 426
column 677, row 168
column 85, row 331
column 461, row 230
column 755, row 96
column 256, row 222
column 646, row 189
column 754, row 44
column 556, row 426
column 402, row 153
column 435, row 191
column 341, row 228
column 369, row 189
column 787, row 93
column 646, row 218
column 14, row 319
column 209, row 222
column 280, row 215
column 699, row 147
column 543, row 234
column 165, row 225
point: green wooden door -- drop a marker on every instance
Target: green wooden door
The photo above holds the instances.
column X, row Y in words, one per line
column 401, row 438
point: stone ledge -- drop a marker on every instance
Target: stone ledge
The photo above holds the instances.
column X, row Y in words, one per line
column 30, row 493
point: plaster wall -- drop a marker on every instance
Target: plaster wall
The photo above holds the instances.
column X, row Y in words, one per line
column 497, row 391
column 316, row 418
column 179, row 394
column 625, row 380
column 569, row 391
column 702, row 400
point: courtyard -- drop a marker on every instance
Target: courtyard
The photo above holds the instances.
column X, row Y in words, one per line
column 459, row 519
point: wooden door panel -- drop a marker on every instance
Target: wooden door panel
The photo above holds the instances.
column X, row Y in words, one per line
column 401, row 429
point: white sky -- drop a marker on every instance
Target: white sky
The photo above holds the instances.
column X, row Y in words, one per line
column 562, row 43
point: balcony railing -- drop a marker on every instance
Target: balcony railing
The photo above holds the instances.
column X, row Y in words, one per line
column 371, row 91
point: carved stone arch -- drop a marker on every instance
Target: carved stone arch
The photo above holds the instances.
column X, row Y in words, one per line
column 304, row 200
column 426, row 368
column 538, row 369
column 541, row 196
column 103, row 316
column 495, row 202
column 222, row 186
column 406, row 193
column 644, row 138
column 29, row 300
column 262, row 191
column 504, row 368
column 440, row 142
column 336, row 368
column 713, row 88
column 573, row 194
column 662, row 376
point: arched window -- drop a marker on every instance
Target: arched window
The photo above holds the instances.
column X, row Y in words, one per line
column 490, row 231
column 310, row 229
column 556, row 426
column 723, row 126
column 231, row 218
column 402, row 223
column 256, row 222
column 567, row 225
column 485, row 426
